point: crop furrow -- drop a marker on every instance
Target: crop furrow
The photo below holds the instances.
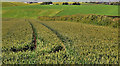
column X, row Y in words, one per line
column 67, row 43
column 32, row 45
column 62, row 38
column 34, row 39
column 65, row 40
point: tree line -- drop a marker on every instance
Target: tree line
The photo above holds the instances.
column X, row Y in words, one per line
column 64, row 3
column 106, row 3
column 77, row 3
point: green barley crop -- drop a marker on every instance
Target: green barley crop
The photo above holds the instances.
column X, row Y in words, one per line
column 83, row 43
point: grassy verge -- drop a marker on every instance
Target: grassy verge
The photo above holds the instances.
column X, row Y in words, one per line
column 89, row 19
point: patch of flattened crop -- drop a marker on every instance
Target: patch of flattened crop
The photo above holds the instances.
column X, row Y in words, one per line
column 56, row 49
column 15, row 49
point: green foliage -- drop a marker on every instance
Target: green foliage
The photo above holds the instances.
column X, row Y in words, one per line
column 89, row 19
column 82, row 43
column 45, row 44
column 60, row 42
column 90, row 44
column 15, row 36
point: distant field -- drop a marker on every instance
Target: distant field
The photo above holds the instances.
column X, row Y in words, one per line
column 9, row 4
column 33, row 11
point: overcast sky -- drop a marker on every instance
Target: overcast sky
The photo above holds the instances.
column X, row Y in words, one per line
column 62, row 0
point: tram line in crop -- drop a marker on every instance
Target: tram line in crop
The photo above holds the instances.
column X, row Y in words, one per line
column 65, row 40
column 34, row 39
column 32, row 45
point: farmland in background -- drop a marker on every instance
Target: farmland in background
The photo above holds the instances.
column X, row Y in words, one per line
column 59, row 34
column 33, row 11
column 9, row 4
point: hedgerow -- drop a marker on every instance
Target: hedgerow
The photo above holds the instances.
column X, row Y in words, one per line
column 89, row 19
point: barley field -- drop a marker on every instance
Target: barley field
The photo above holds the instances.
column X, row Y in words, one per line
column 59, row 34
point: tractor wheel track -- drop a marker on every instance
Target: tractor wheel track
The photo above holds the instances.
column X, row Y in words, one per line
column 64, row 40
column 34, row 40
column 33, row 43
